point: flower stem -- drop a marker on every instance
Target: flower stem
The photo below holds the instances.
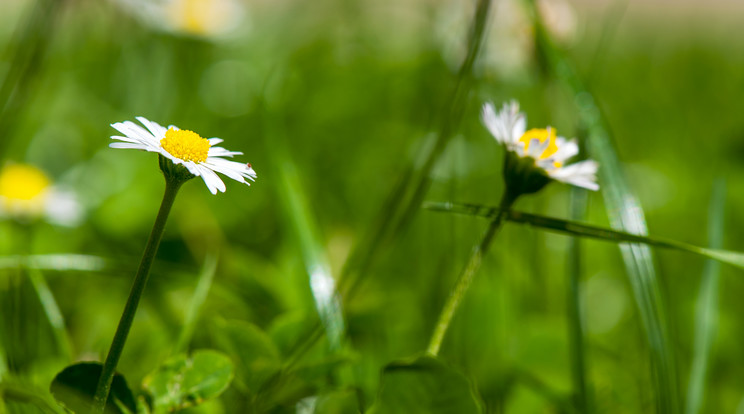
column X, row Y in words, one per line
column 140, row 280
column 466, row 276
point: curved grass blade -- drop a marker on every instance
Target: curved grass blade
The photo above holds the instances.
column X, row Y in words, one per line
column 574, row 228
column 197, row 301
column 706, row 312
column 408, row 194
column 52, row 312
column 625, row 214
column 298, row 212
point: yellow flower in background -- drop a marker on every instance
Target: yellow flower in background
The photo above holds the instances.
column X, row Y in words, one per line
column 198, row 155
column 26, row 193
column 537, row 155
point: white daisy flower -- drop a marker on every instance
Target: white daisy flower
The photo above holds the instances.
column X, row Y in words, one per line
column 187, row 148
column 547, row 151
column 210, row 19
column 26, row 193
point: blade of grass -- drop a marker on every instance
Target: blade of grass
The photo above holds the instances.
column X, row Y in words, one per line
column 299, row 214
column 62, row 262
column 574, row 228
column 582, row 399
column 625, row 214
column 52, row 312
column 407, row 195
column 409, row 192
column 706, row 310
column 197, row 301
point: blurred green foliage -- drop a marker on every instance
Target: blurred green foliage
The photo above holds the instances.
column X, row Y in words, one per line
column 348, row 91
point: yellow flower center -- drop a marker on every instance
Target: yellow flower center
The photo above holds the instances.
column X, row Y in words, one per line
column 21, row 182
column 541, row 135
column 186, row 145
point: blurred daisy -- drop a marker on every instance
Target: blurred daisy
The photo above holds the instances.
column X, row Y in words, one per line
column 26, row 193
column 205, row 18
column 536, row 152
column 183, row 147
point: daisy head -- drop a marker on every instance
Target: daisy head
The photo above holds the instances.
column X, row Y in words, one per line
column 27, row 194
column 185, row 151
column 536, row 156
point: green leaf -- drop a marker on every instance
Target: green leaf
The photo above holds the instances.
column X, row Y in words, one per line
column 183, row 382
column 424, row 385
column 706, row 313
column 255, row 355
column 574, row 228
column 75, row 386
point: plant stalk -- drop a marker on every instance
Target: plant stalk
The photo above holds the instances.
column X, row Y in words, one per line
column 466, row 276
column 140, row 280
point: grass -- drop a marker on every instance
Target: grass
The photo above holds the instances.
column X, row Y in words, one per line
column 353, row 116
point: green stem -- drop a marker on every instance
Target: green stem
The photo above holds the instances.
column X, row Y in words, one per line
column 140, row 280
column 466, row 276
column 575, row 320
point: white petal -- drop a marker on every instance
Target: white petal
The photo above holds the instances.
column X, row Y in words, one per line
column 155, row 128
column 536, row 148
column 211, row 179
column 566, row 149
column 129, row 145
column 221, row 152
column 136, row 132
column 214, row 141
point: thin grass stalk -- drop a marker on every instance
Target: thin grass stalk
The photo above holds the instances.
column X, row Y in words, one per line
column 138, row 286
column 197, row 302
column 706, row 310
column 414, row 180
column 574, row 312
column 409, row 192
column 466, row 277
column 625, row 213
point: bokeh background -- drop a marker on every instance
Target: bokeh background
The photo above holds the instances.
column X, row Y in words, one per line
column 331, row 101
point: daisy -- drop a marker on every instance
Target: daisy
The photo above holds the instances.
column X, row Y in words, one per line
column 183, row 147
column 26, row 193
column 537, row 150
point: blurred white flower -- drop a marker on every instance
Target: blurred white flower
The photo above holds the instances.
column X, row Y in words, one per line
column 207, row 18
column 541, row 148
column 26, row 193
column 509, row 41
column 183, row 147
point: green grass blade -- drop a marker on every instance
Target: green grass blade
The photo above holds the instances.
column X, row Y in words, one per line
column 574, row 228
column 52, row 312
column 408, row 194
column 298, row 212
column 625, row 214
column 197, row 302
column 61, row 262
column 706, row 312
column 577, row 345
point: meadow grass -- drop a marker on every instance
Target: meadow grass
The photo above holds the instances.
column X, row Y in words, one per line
column 318, row 288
